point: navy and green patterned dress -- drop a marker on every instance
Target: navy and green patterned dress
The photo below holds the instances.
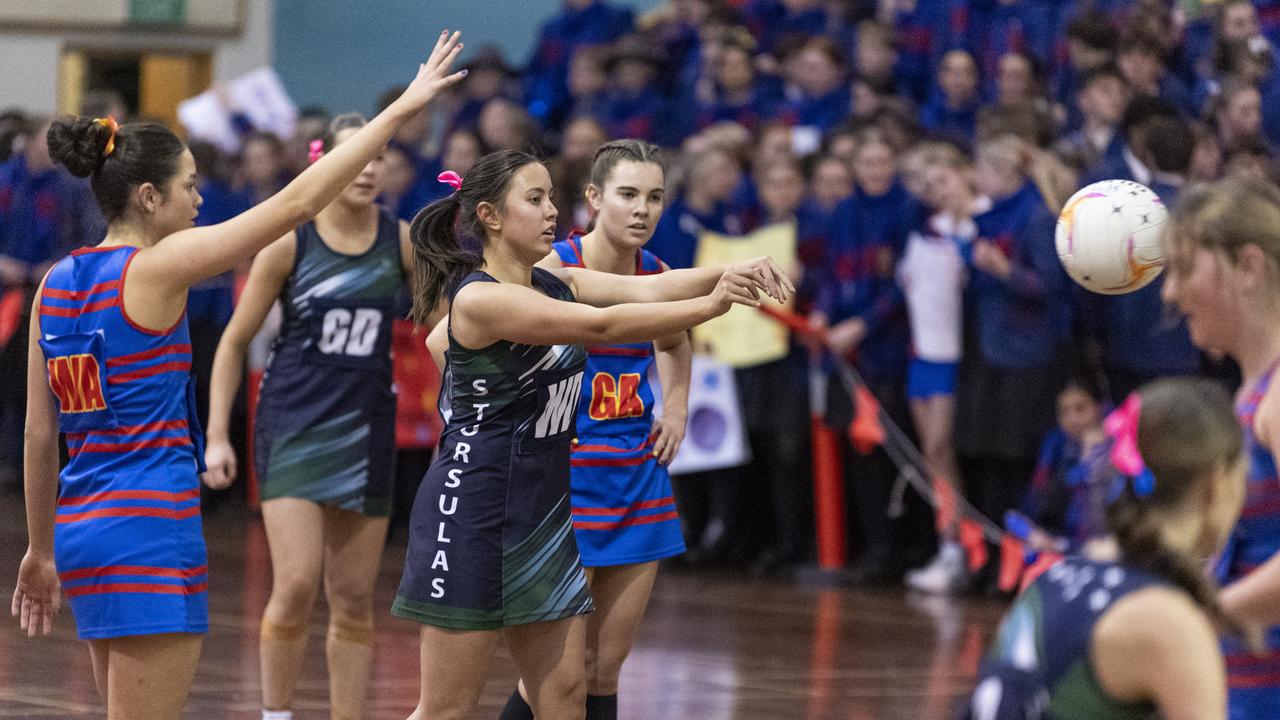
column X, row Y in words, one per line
column 491, row 541
column 325, row 428
column 1041, row 667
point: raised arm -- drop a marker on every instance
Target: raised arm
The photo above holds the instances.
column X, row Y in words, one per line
column 267, row 277
column 187, row 257
column 606, row 289
column 37, row 597
column 484, row 313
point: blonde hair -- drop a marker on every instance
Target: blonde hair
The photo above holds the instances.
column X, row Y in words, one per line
column 1226, row 215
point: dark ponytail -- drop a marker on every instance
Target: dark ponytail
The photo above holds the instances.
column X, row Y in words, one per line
column 142, row 152
column 1186, row 431
column 440, row 260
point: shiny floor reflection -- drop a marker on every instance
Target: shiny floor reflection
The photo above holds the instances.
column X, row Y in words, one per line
column 713, row 647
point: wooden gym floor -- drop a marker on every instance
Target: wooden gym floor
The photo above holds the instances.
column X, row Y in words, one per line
column 714, row 646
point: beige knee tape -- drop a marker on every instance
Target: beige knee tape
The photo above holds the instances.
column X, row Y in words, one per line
column 273, row 631
column 351, row 633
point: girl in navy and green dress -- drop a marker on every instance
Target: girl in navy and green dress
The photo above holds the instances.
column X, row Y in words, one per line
column 492, row 555
column 324, row 436
column 1126, row 630
column 624, row 512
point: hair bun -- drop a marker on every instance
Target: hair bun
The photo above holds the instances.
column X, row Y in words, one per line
column 78, row 143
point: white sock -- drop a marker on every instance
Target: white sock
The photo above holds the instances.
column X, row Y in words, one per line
column 277, row 715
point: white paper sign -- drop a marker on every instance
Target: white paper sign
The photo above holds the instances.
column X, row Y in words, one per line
column 259, row 96
column 715, row 437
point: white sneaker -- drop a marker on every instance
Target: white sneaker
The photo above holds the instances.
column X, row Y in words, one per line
column 944, row 574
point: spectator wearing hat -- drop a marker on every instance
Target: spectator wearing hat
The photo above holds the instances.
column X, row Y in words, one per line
column 772, row 20
column 488, row 77
column 999, row 28
column 588, row 80
column 734, row 91
column 633, row 106
column 817, row 88
column 925, row 30
column 581, row 24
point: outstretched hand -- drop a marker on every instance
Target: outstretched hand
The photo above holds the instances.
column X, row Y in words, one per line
column 433, row 75
column 737, row 286
column 768, row 277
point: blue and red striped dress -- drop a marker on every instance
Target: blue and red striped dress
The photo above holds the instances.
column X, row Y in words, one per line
column 1253, row 681
column 623, row 508
column 127, row 543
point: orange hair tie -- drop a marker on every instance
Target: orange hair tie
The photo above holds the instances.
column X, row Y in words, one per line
column 109, row 123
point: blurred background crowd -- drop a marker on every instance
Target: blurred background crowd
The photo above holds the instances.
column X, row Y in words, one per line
column 859, row 121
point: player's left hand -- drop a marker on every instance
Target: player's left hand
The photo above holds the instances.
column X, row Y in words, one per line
column 667, row 434
column 988, row 258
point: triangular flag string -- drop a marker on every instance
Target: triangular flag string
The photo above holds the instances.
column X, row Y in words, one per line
column 872, row 426
column 903, row 452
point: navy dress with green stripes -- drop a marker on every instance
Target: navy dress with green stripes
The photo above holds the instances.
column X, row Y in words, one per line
column 1041, row 666
column 325, row 428
column 491, row 541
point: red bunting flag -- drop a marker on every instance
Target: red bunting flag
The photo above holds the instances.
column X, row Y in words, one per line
column 975, row 546
column 865, row 432
column 1042, row 563
column 11, row 305
column 944, row 501
column 1012, row 560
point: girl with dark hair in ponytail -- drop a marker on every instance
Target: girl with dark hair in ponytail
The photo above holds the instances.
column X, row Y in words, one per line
column 118, row 531
column 624, row 510
column 492, row 555
column 324, row 436
column 1126, row 630
column 1223, row 249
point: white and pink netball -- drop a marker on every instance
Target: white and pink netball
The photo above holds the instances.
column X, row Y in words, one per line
column 1108, row 236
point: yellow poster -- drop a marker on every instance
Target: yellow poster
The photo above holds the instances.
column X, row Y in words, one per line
column 744, row 337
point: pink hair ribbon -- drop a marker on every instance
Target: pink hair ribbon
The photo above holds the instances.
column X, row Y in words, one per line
column 451, row 178
column 1122, row 426
column 315, row 150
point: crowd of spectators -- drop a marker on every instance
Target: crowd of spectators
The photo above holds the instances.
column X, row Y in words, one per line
column 862, row 122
